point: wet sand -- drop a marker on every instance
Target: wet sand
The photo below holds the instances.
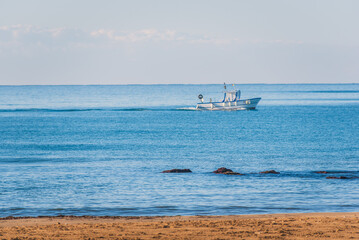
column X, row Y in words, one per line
column 270, row 226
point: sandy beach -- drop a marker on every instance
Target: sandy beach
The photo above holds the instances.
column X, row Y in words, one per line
column 270, row 226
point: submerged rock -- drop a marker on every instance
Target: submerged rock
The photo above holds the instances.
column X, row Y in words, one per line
column 232, row 173
column 177, row 171
column 222, row 170
column 226, row 171
column 341, row 177
column 270, row 171
column 323, row 172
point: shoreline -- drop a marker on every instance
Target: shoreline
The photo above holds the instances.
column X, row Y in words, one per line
column 333, row 225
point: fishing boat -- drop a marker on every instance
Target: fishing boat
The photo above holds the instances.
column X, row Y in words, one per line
column 231, row 101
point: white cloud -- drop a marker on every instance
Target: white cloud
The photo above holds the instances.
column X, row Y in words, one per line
column 139, row 36
column 63, row 38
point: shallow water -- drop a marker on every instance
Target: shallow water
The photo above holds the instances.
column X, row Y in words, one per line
column 100, row 150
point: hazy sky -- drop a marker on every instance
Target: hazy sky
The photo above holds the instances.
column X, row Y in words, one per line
column 131, row 42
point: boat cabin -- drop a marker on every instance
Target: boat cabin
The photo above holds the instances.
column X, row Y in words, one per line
column 232, row 96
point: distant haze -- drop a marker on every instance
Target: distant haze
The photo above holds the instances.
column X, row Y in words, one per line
column 173, row 42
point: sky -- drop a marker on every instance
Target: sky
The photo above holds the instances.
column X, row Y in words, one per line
column 61, row 42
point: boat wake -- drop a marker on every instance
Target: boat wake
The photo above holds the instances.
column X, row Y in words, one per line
column 93, row 109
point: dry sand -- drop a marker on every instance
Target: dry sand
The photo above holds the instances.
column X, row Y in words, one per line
column 271, row 226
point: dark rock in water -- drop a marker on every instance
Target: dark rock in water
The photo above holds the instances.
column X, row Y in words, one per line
column 270, row 171
column 323, row 172
column 222, row 170
column 341, row 177
column 226, row 171
column 232, row 173
column 177, row 171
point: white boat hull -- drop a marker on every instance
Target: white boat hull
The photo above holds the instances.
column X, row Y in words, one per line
column 246, row 104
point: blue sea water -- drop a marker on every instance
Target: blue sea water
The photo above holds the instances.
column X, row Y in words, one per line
column 100, row 150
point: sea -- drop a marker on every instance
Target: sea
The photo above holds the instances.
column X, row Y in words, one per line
column 100, row 150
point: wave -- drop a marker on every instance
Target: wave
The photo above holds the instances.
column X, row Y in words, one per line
column 79, row 109
column 267, row 101
column 312, row 99
column 184, row 210
column 335, row 91
column 319, row 91
column 145, row 211
column 96, row 109
column 336, row 171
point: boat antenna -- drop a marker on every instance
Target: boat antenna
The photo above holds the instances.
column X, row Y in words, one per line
column 225, row 87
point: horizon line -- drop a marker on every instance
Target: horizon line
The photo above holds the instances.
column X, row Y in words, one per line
column 149, row 84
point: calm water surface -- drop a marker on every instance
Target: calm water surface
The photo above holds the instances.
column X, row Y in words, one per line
column 100, row 150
